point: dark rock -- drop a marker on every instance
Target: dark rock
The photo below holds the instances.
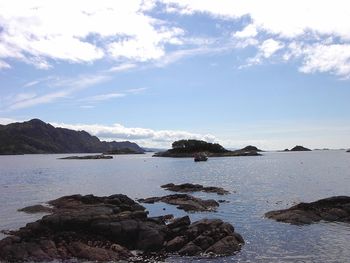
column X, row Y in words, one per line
column 329, row 209
column 184, row 188
column 184, row 202
column 299, row 148
column 36, row 209
column 226, row 246
column 251, row 148
column 88, row 157
column 190, row 249
column 95, row 228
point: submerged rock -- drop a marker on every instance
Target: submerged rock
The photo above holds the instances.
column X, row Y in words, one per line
column 184, row 188
column 107, row 228
column 88, row 157
column 335, row 209
column 184, row 202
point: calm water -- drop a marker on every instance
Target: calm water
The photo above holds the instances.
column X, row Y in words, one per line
column 261, row 184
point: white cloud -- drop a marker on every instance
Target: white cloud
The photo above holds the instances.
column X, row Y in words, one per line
column 36, row 100
column 152, row 137
column 122, row 67
column 327, row 58
column 278, row 23
column 81, row 31
column 4, row 65
column 269, row 47
column 248, row 32
column 103, row 97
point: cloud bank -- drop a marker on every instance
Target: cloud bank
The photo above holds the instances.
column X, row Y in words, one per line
column 41, row 33
column 146, row 137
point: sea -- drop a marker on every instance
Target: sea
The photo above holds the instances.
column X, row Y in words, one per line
column 275, row 180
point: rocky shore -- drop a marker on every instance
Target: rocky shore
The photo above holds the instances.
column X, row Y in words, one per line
column 111, row 228
column 333, row 209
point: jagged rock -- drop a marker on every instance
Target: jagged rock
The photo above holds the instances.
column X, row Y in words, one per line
column 184, row 188
column 184, row 202
column 108, row 228
column 335, row 208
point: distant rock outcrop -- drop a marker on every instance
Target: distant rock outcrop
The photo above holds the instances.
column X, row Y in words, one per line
column 251, row 148
column 187, row 148
column 107, row 229
column 329, row 209
column 299, row 148
column 348, row 151
column 88, row 157
column 36, row 136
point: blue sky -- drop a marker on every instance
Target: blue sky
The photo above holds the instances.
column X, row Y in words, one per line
column 269, row 73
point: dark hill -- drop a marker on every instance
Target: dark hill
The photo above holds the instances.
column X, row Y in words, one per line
column 299, row 148
column 36, row 136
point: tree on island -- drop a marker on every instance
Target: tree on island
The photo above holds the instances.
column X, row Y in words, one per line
column 190, row 146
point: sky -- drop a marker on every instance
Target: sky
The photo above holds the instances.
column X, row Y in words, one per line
column 268, row 73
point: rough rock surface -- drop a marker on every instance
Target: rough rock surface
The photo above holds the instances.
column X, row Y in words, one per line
column 184, row 202
column 184, row 188
column 108, row 228
column 335, row 209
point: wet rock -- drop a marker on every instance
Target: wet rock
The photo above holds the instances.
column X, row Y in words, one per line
column 184, row 188
column 184, row 202
column 190, row 249
column 36, row 209
column 329, row 209
column 107, row 228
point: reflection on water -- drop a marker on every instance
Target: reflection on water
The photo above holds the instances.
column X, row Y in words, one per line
column 261, row 184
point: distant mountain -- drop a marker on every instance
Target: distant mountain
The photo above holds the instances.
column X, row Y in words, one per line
column 36, row 136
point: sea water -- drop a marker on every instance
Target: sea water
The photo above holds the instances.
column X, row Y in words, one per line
column 273, row 181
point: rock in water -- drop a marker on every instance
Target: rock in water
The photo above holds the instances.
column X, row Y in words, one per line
column 184, row 202
column 95, row 228
column 184, row 188
column 335, row 209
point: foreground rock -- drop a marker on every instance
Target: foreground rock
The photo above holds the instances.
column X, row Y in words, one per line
column 88, row 157
column 94, row 228
column 185, row 188
column 335, row 209
column 185, row 202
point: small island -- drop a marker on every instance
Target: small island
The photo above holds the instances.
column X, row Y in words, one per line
column 87, row 157
column 187, row 148
column 298, row 148
column 348, row 151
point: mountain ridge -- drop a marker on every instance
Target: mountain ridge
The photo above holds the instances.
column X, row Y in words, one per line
column 36, row 136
